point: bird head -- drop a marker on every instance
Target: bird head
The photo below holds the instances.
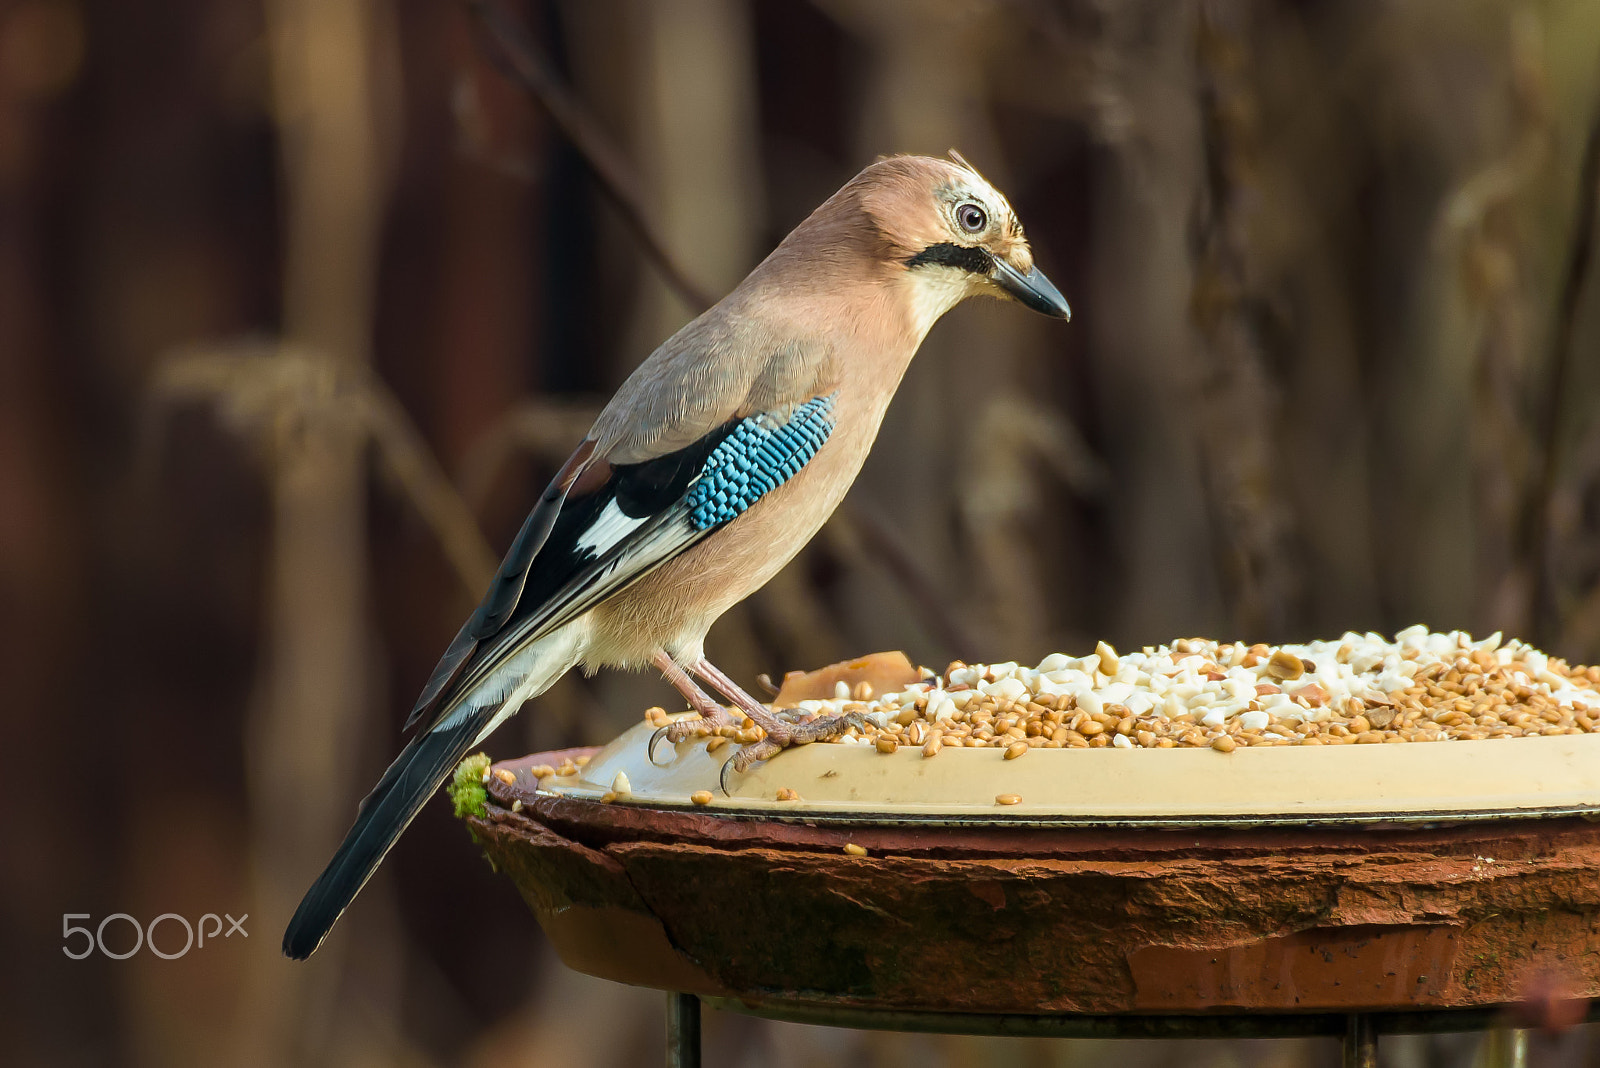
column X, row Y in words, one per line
column 953, row 235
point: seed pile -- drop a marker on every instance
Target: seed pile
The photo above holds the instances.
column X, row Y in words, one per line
column 1362, row 688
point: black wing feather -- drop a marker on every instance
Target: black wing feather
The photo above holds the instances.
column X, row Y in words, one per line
column 506, row 589
column 445, row 673
column 546, row 562
column 413, row 777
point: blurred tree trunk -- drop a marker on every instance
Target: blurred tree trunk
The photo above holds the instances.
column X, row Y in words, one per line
column 332, row 67
column 1143, row 281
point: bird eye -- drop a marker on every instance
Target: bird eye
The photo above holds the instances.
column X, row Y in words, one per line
column 972, row 218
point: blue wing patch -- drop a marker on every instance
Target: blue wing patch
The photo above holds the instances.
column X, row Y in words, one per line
column 759, row 455
column 603, row 541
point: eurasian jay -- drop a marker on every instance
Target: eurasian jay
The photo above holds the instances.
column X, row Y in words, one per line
column 716, row 461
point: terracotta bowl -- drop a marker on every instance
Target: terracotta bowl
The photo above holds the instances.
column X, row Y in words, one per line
column 1288, row 880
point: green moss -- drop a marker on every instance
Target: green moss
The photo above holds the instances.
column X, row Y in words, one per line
column 467, row 794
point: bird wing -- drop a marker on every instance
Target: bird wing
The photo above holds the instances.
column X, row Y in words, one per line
column 505, row 590
column 699, row 380
column 602, row 526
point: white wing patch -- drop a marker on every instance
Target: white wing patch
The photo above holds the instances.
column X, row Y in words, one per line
column 608, row 528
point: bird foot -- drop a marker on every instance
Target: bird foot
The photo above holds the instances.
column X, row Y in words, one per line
column 713, row 717
column 781, row 734
column 678, row 730
column 777, row 733
column 708, row 722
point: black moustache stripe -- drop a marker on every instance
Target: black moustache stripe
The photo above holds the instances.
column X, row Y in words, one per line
column 946, row 254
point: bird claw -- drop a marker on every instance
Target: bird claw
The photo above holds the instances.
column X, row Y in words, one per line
column 746, row 758
column 792, row 734
column 678, row 730
column 650, row 750
column 824, row 727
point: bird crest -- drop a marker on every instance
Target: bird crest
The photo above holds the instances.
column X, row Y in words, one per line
column 961, row 161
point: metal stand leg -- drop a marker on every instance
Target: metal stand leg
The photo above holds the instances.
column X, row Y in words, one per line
column 1360, row 1042
column 1505, row 1048
column 683, row 1031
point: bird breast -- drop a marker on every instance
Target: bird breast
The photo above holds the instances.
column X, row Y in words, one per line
column 673, row 606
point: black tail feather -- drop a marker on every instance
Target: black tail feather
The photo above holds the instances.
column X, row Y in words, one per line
column 391, row 806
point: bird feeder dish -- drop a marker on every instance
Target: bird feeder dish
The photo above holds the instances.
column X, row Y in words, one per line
column 1119, row 882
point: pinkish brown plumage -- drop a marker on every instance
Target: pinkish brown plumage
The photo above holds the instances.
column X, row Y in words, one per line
column 717, row 460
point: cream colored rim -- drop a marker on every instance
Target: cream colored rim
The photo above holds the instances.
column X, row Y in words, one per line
column 1291, row 784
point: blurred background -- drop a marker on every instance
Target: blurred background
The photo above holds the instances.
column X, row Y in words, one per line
column 303, row 301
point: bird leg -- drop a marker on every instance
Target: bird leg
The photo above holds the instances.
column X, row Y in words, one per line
column 780, row 733
column 712, row 715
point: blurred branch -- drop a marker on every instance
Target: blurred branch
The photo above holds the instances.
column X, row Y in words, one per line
column 516, row 55
column 546, row 429
column 1548, row 418
column 878, row 539
column 268, row 392
column 1465, row 211
column 1057, row 441
column 415, row 468
column 999, row 493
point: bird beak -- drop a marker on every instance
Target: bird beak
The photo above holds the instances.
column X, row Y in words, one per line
column 1032, row 290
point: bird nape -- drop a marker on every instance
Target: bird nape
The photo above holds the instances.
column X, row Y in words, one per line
column 716, row 461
